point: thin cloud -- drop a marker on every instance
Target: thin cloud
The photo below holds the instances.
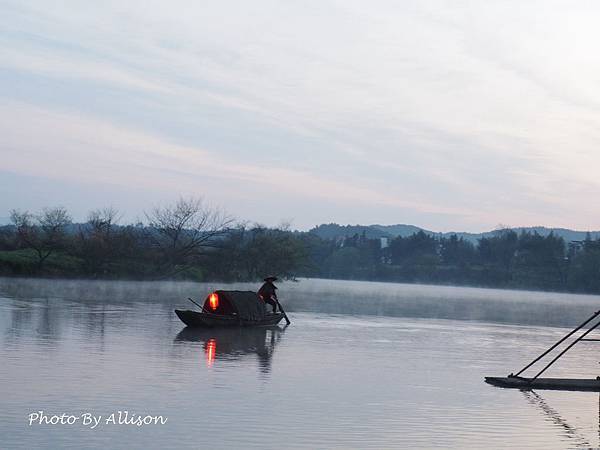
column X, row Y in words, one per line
column 480, row 113
column 95, row 151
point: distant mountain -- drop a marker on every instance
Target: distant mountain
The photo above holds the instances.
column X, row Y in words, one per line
column 399, row 230
column 335, row 231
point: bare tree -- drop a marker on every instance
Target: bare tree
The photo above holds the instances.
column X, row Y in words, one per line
column 184, row 231
column 96, row 243
column 101, row 221
column 44, row 233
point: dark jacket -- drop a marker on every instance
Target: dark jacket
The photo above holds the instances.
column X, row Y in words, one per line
column 267, row 290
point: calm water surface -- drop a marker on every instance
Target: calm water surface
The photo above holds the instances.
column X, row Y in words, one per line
column 400, row 371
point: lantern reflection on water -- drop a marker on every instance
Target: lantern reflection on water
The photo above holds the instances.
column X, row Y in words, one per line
column 210, row 350
column 234, row 343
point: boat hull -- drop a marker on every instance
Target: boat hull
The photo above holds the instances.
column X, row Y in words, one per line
column 203, row 320
column 561, row 384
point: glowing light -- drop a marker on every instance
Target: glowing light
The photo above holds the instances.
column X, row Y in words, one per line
column 211, row 350
column 213, row 301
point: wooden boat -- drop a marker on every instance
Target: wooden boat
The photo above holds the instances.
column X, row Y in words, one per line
column 230, row 309
column 563, row 384
column 208, row 320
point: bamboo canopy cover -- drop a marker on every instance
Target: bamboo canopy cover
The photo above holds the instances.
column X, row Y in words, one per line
column 246, row 304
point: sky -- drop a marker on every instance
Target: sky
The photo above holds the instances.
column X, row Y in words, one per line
column 449, row 115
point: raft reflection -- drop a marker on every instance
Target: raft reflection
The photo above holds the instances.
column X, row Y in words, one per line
column 227, row 343
column 571, row 432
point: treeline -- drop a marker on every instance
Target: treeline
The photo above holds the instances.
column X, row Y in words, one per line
column 186, row 240
column 508, row 260
column 190, row 240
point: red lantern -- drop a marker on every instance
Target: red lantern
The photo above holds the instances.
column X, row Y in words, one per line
column 213, row 301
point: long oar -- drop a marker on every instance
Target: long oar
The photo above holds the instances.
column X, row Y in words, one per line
column 198, row 305
column 281, row 309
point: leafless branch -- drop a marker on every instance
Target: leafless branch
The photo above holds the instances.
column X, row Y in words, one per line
column 183, row 231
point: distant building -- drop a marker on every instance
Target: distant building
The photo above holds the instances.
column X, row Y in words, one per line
column 383, row 242
column 574, row 247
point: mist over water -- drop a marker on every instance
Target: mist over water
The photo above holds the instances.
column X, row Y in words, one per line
column 363, row 365
column 334, row 297
column 443, row 302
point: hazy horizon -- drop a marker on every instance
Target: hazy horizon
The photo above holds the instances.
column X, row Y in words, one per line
column 5, row 220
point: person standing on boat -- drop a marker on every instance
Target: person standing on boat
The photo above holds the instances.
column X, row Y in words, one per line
column 268, row 292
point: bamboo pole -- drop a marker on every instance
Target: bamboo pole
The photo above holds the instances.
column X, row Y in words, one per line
column 557, row 344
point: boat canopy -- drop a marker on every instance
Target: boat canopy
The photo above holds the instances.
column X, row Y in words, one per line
column 247, row 304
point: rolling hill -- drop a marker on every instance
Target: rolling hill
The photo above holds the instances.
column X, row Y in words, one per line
column 335, row 231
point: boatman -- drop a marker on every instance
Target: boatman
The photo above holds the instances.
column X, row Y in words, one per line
column 268, row 292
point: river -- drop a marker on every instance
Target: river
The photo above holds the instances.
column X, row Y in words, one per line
column 363, row 365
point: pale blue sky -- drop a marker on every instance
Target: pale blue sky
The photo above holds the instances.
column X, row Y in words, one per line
column 450, row 115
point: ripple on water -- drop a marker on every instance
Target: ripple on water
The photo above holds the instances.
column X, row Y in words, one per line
column 328, row 381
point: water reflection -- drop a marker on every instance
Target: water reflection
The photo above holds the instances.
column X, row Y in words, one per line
column 211, row 349
column 40, row 319
column 20, row 318
column 113, row 345
column 235, row 343
column 568, row 430
column 45, row 320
